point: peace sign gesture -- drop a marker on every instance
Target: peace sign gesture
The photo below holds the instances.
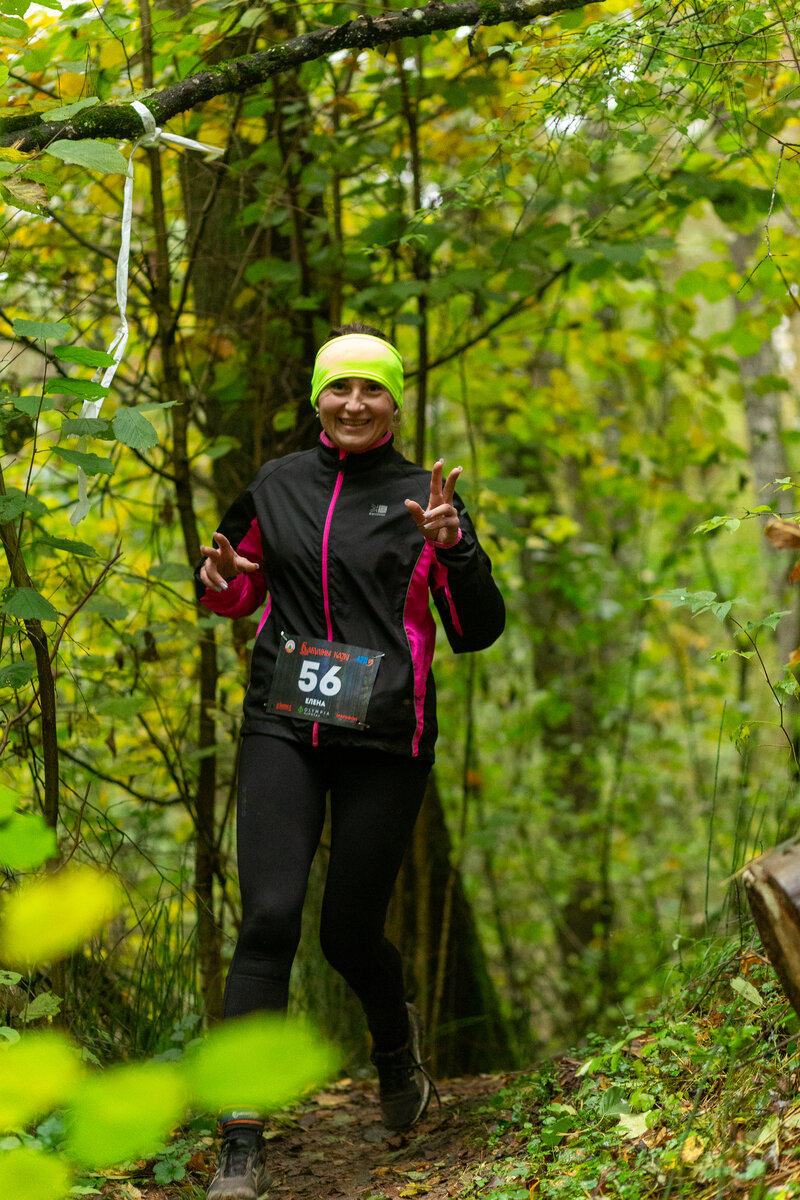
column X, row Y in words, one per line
column 439, row 521
column 222, row 563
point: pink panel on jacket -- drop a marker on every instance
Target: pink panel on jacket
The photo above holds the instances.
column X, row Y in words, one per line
column 421, row 633
column 246, row 592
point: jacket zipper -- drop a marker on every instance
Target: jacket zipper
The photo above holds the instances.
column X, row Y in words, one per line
column 325, row 597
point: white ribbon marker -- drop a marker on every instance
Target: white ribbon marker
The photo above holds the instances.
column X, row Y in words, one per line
column 152, row 137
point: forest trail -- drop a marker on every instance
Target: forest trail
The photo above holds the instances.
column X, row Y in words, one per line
column 334, row 1146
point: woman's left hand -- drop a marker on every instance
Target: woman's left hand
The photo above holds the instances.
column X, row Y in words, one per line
column 439, row 521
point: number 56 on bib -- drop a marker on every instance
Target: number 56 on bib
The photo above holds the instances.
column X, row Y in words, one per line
column 323, row 681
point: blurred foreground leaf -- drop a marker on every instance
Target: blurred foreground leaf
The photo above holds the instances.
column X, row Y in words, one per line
column 36, row 1073
column 26, row 841
column 51, row 916
column 258, row 1062
column 124, row 1113
column 32, row 1175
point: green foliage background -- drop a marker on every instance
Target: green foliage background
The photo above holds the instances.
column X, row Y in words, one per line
column 583, row 235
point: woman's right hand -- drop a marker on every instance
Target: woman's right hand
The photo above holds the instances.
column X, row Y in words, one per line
column 222, row 563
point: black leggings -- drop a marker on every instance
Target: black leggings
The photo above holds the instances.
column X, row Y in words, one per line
column 375, row 798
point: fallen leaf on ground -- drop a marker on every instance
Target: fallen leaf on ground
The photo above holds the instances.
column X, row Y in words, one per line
column 332, row 1100
column 633, row 1125
column 693, row 1147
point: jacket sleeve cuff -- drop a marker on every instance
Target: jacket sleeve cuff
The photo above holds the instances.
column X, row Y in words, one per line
column 240, row 598
column 440, row 549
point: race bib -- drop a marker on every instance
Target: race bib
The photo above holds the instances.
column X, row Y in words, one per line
column 323, row 681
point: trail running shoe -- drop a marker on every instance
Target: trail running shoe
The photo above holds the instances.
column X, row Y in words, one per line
column 405, row 1087
column 241, row 1173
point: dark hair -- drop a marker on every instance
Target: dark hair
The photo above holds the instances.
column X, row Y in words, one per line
column 358, row 327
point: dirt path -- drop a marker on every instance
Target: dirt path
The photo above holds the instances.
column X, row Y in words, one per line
column 334, row 1147
column 341, row 1150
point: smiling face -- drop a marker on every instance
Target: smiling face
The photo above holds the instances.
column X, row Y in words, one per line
column 355, row 412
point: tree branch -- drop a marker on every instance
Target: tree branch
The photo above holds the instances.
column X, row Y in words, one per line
column 121, row 121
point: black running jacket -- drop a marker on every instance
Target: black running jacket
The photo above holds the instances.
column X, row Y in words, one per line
column 341, row 559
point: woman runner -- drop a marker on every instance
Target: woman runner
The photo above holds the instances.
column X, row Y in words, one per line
column 347, row 540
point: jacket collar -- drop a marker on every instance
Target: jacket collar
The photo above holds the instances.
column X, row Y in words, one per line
column 356, row 461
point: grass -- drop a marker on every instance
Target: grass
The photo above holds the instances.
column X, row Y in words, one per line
column 699, row 1099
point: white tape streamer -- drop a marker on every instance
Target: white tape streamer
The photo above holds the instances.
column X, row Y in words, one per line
column 153, row 136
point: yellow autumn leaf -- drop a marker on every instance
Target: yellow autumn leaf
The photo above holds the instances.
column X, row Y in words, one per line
column 692, row 1148
column 71, row 86
column 112, row 54
column 53, row 915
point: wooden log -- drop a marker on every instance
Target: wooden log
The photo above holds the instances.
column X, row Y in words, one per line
column 772, row 883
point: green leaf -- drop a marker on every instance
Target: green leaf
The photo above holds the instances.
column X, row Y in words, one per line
column 505, row 486
column 133, row 429
column 11, row 507
column 13, row 27
column 69, row 544
column 571, row 20
column 156, row 405
column 46, row 1004
column 33, row 1174
column 9, row 801
column 123, row 708
column 14, row 8
column 9, row 978
column 17, row 674
column 124, row 1113
column 26, row 841
column 106, row 607
column 746, row 342
column 220, row 446
column 32, row 406
column 25, row 193
column 27, row 604
column 172, row 572
column 46, row 330
column 770, row 621
column 271, row 1059
column 69, row 110
column 712, row 523
column 622, row 252
column 87, row 389
column 15, row 502
column 92, row 464
column 633, row 1125
column 97, row 156
column 745, row 988
column 83, row 355
column 84, row 426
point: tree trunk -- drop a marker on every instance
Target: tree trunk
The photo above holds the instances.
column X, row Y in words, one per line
column 768, row 462
column 471, row 1034
column 772, row 883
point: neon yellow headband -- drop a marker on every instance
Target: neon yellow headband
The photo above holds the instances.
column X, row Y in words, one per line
column 358, row 356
